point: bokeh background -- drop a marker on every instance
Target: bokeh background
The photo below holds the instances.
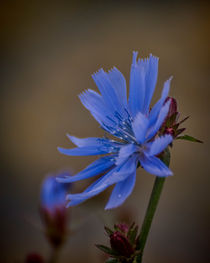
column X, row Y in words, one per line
column 49, row 49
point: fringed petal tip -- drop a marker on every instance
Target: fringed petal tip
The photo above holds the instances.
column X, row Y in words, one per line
column 96, row 73
column 155, row 166
column 160, row 144
column 153, row 57
column 135, row 54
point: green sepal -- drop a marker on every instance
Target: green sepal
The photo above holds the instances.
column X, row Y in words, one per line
column 171, row 120
column 132, row 233
column 107, row 250
column 179, row 131
column 184, row 120
column 188, row 138
column 108, row 230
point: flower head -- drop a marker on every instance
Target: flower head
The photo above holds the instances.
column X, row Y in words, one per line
column 124, row 244
column 53, row 209
column 133, row 125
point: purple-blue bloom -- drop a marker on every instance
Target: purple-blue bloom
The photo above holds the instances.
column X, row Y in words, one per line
column 132, row 124
column 53, row 194
column 53, row 209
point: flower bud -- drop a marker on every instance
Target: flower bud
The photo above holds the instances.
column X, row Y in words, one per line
column 124, row 243
column 120, row 243
column 171, row 124
column 122, row 227
column 53, row 210
column 172, row 107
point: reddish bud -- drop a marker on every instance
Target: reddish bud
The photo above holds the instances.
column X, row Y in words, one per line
column 122, row 227
column 55, row 225
column 170, row 131
column 171, row 124
column 172, row 107
column 53, row 210
column 121, row 244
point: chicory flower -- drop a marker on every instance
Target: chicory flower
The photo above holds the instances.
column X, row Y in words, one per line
column 132, row 127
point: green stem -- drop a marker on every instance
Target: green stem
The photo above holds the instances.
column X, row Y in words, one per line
column 152, row 206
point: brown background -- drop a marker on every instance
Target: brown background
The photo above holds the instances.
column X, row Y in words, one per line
column 49, row 51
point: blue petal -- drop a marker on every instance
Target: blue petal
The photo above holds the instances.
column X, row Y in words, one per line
column 121, row 191
column 159, row 144
column 99, row 166
column 74, row 202
column 155, row 166
column 84, row 151
column 117, row 174
column 93, row 141
column 94, row 189
column 81, row 142
column 151, row 79
column 125, row 152
column 137, row 86
column 118, row 82
column 123, row 170
column 156, row 109
column 91, row 146
column 95, row 104
column 108, row 90
column 161, row 117
column 140, row 125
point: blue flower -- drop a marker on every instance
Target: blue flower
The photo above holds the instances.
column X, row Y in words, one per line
column 53, row 209
column 53, row 194
column 133, row 125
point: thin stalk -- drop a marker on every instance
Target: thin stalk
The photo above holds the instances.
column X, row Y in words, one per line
column 152, row 206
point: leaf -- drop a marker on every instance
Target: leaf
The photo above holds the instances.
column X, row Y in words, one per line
column 189, row 138
column 107, row 250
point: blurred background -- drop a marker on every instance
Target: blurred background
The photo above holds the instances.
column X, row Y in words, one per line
column 49, row 49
